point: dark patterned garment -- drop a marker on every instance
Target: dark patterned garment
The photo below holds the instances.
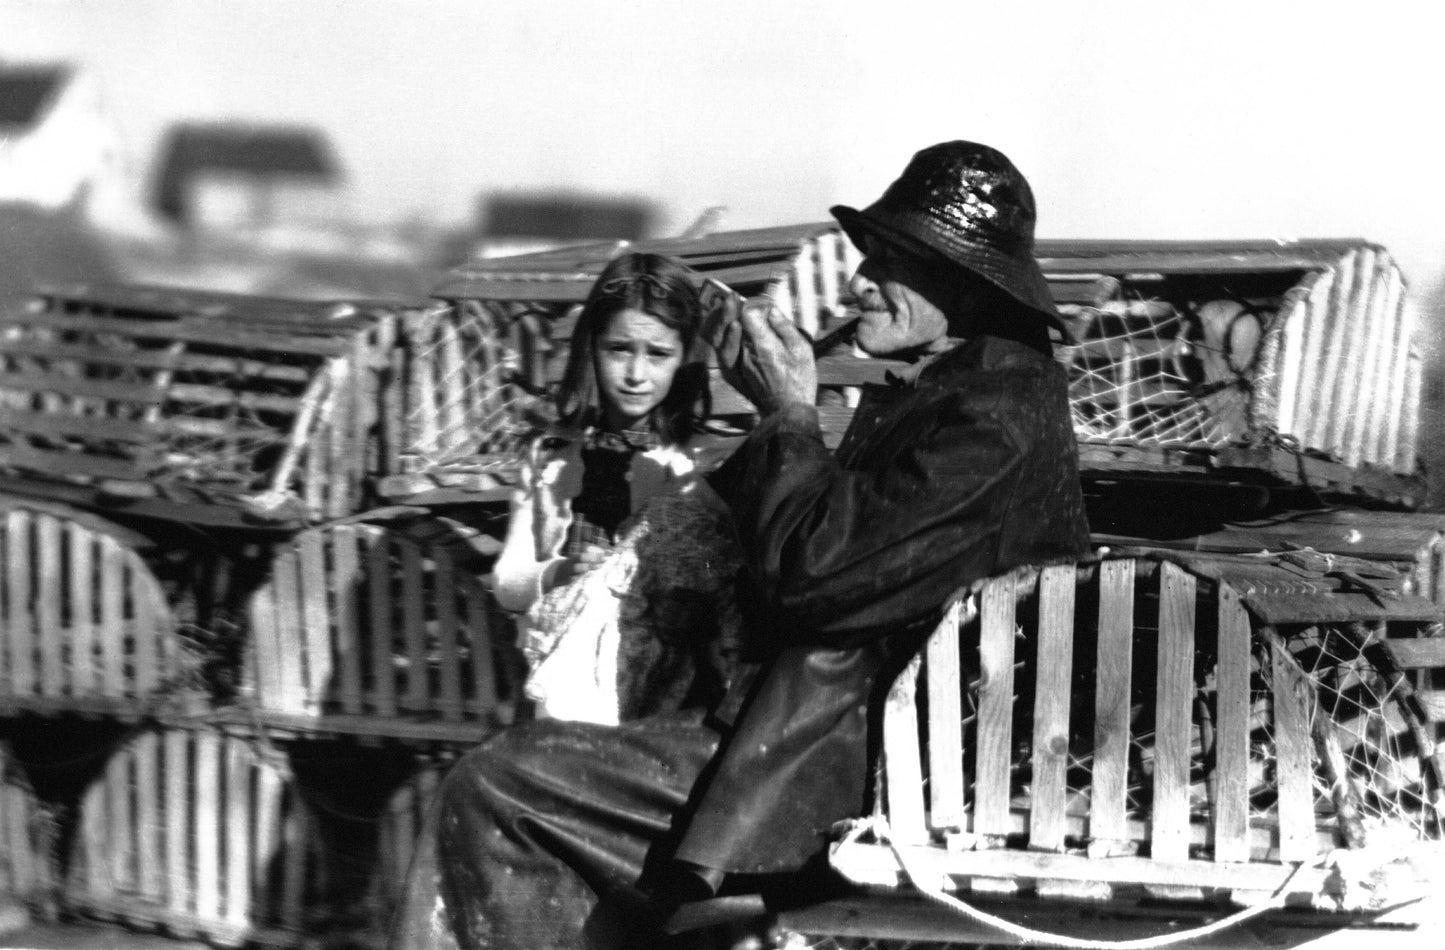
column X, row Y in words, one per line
column 605, row 501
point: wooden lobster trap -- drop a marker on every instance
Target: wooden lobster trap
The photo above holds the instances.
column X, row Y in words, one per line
column 27, row 860
column 479, row 365
column 1237, row 738
column 199, row 833
column 379, row 629
column 1231, row 358
column 212, row 408
column 84, row 623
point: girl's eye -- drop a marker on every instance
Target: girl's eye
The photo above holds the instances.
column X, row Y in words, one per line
column 660, row 354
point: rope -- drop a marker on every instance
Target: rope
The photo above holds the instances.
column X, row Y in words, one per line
column 1029, row 935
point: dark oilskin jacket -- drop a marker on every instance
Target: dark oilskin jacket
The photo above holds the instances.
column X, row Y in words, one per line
column 963, row 471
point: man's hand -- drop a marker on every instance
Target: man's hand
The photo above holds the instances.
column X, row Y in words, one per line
column 764, row 357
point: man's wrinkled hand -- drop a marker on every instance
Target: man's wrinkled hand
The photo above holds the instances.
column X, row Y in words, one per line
column 767, row 359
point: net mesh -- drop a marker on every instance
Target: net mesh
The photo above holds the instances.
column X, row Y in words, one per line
column 471, row 380
column 1147, row 372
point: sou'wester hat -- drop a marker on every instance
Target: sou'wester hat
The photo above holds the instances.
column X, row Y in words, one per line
column 967, row 203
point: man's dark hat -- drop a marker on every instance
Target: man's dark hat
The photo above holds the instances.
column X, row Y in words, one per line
column 968, row 203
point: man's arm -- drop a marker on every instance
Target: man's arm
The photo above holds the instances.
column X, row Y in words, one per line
column 842, row 555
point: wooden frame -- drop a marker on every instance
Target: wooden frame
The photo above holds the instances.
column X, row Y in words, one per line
column 366, row 629
column 198, row 832
column 1123, row 646
column 84, row 624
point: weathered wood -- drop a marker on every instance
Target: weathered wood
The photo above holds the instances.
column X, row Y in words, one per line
column 413, row 614
column 315, row 591
column 947, row 806
column 383, row 678
column 903, row 762
column 480, row 636
column 176, row 802
column 444, row 597
column 207, row 823
column 1114, row 660
column 1231, row 739
column 238, row 829
column 1172, row 726
column 1424, row 653
column 148, row 816
column 995, row 707
column 1293, row 753
column 20, row 621
column 288, row 634
column 1053, row 688
column 350, row 642
column 49, row 592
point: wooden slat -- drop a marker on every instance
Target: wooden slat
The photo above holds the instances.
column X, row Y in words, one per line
column 121, row 852
column 70, row 465
column 238, row 831
column 1108, row 824
column 903, row 764
column 479, row 629
column 94, row 825
column 49, row 590
column 207, row 824
column 413, row 613
column 347, row 579
column 1053, row 690
column 146, row 648
column 86, row 633
column 995, row 707
column 293, row 882
column 1231, row 739
column 176, row 803
column 113, row 615
column 20, row 621
column 1424, row 653
column 315, row 587
column 947, row 804
column 378, row 584
column 161, row 359
column 267, row 856
column 288, row 633
column 147, row 814
column 1173, row 726
column 255, row 341
column 444, row 595
column 1293, row 753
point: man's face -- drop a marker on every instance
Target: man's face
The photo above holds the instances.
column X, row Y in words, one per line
column 900, row 302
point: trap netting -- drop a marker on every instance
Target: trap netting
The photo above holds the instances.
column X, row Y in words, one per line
column 1145, row 372
column 474, row 370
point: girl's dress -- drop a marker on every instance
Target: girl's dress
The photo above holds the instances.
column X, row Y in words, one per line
column 654, row 626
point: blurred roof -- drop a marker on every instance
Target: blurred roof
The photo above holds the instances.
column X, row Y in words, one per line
column 262, row 152
column 27, row 92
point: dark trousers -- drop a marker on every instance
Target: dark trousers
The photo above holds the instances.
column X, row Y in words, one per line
column 549, row 836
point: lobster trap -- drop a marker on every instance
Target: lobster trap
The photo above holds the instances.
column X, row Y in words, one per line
column 27, row 859
column 84, row 623
column 480, row 365
column 1288, row 360
column 198, row 833
column 1232, row 735
column 379, row 629
column 211, row 408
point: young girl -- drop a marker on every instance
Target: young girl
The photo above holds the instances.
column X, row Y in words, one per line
column 619, row 560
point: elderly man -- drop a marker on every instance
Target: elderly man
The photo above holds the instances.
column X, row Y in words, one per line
column 569, row 835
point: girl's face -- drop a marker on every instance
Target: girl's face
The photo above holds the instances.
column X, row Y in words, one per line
column 637, row 356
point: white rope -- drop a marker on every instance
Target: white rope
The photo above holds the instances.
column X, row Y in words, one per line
column 879, row 826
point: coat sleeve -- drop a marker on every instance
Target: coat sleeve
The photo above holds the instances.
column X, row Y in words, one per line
column 843, row 555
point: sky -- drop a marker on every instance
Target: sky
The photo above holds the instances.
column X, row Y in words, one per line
column 1132, row 119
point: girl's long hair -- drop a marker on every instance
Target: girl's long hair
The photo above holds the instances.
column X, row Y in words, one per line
column 662, row 288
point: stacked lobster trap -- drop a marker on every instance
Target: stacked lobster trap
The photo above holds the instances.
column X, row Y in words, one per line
column 1232, row 359
column 190, row 589
column 1240, row 734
